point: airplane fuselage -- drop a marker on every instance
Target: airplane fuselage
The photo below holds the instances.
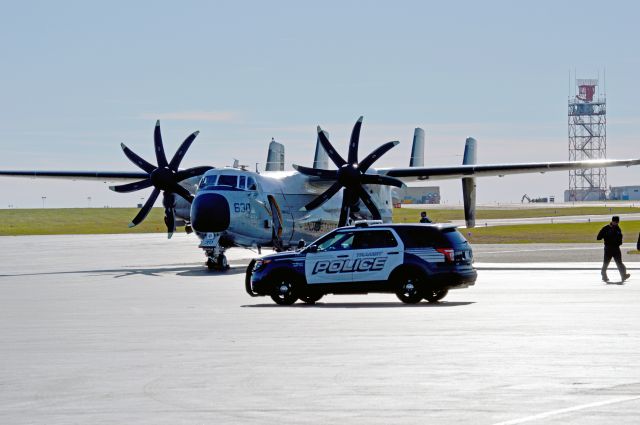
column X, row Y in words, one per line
column 234, row 203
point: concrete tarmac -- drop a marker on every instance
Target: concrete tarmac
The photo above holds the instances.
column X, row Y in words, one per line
column 133, row 329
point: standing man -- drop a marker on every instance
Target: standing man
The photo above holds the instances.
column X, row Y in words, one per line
column 424, row 218
column 612, row 236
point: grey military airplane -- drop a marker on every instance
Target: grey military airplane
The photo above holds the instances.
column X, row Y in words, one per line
column 234, row 206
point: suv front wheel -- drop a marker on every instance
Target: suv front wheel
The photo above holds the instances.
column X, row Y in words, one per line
column 409, row 287
column 284, row 290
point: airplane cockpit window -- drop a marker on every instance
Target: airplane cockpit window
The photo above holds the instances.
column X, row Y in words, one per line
column 251, row 184
column 225, row 180
column 240, row 182
column 207, row 181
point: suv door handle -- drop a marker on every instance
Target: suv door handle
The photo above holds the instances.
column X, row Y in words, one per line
column 342, row 256
column 394, row 252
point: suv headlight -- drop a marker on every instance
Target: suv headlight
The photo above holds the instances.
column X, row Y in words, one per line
column 260, row 264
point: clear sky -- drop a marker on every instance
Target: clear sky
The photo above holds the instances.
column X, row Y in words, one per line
column 78, row 78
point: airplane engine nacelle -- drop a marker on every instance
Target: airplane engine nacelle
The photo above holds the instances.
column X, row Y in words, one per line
column 210, row 213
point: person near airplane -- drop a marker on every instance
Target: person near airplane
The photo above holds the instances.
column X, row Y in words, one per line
column 424, row 218
column 612, row 236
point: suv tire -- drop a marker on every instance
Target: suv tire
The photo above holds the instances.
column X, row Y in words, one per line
column 409, row 284
column 285, row 290
column 435, row 295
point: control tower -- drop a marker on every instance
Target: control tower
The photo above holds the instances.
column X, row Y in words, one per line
column 587, row 140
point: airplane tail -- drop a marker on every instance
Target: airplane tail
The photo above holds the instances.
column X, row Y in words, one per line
column 469, row 183
column 275, row 157
column 417, row 149
column 321, row 159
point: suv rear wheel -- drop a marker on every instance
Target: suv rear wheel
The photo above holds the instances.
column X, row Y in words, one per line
column 284, row 290
column 435, row 295
column 409, row 287
column 311, row 298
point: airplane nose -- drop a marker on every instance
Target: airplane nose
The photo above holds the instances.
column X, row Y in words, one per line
column 210, row 213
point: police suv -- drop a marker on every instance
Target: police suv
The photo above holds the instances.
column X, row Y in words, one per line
column 414, row 261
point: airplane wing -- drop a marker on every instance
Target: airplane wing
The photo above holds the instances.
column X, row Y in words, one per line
column 415, row 174
column 103, row 176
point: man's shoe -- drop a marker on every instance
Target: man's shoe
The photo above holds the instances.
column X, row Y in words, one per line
column 625, row 277
column 605, row 279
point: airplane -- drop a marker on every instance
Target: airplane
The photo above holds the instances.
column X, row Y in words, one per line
column 235, row 207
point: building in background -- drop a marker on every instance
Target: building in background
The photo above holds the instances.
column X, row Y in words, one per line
column 419, row 195
column 587, row 140
column 624, row 193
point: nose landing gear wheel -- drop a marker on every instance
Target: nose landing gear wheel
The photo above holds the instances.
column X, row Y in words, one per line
column 220, row 263
column 409, row 291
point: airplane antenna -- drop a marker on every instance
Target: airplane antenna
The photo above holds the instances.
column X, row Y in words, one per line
column 257, row 171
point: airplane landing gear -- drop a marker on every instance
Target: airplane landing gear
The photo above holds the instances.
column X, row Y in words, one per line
column 216, row 260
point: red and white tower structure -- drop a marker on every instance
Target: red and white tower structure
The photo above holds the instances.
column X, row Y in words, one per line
column 587, row 140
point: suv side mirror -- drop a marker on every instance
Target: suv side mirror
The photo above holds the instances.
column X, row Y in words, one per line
column 312, row 248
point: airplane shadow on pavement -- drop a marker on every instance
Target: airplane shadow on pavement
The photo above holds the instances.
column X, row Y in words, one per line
column 189, row 270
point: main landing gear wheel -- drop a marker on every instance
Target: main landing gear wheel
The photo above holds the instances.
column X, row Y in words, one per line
column 220, row 263
column 435, row 295
column 409, row 290
column 284, row 291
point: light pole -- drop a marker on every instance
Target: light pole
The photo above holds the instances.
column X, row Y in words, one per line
column 88, row 201
column 44, row 198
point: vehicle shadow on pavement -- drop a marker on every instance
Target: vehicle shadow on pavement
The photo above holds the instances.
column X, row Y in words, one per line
column 364, row 305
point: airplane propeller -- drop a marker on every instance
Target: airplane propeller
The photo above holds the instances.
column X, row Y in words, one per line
column 351, row 175
column 164, row 178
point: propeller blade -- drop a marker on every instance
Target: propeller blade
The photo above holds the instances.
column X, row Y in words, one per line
column 345, row 210
column 366, row 199
column 316, row 172
column 326, row 195
column 335, row 156
column 384, row 180
column 373, row 156
column 142, row 214
column 353, row 144
column 157, row 141
column 170, row 221
column 144, row 165
column 182, row 150
column 191, row 172
column 132, row 187
column 181, row 191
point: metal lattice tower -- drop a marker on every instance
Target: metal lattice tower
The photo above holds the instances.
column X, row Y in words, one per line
column 587, row 140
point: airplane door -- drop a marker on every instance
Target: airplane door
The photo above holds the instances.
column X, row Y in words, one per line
column 376, row 253
column 331, row 262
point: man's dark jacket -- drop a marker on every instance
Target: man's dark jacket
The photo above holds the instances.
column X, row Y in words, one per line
column 612, row 235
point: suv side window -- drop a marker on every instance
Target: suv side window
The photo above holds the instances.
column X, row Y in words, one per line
column 374, row 239
column 337, row 242
column 421, row 236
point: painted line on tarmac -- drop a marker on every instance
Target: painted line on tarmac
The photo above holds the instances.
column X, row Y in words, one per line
column 547, row 268
column 599, row 247
column 568, row 410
